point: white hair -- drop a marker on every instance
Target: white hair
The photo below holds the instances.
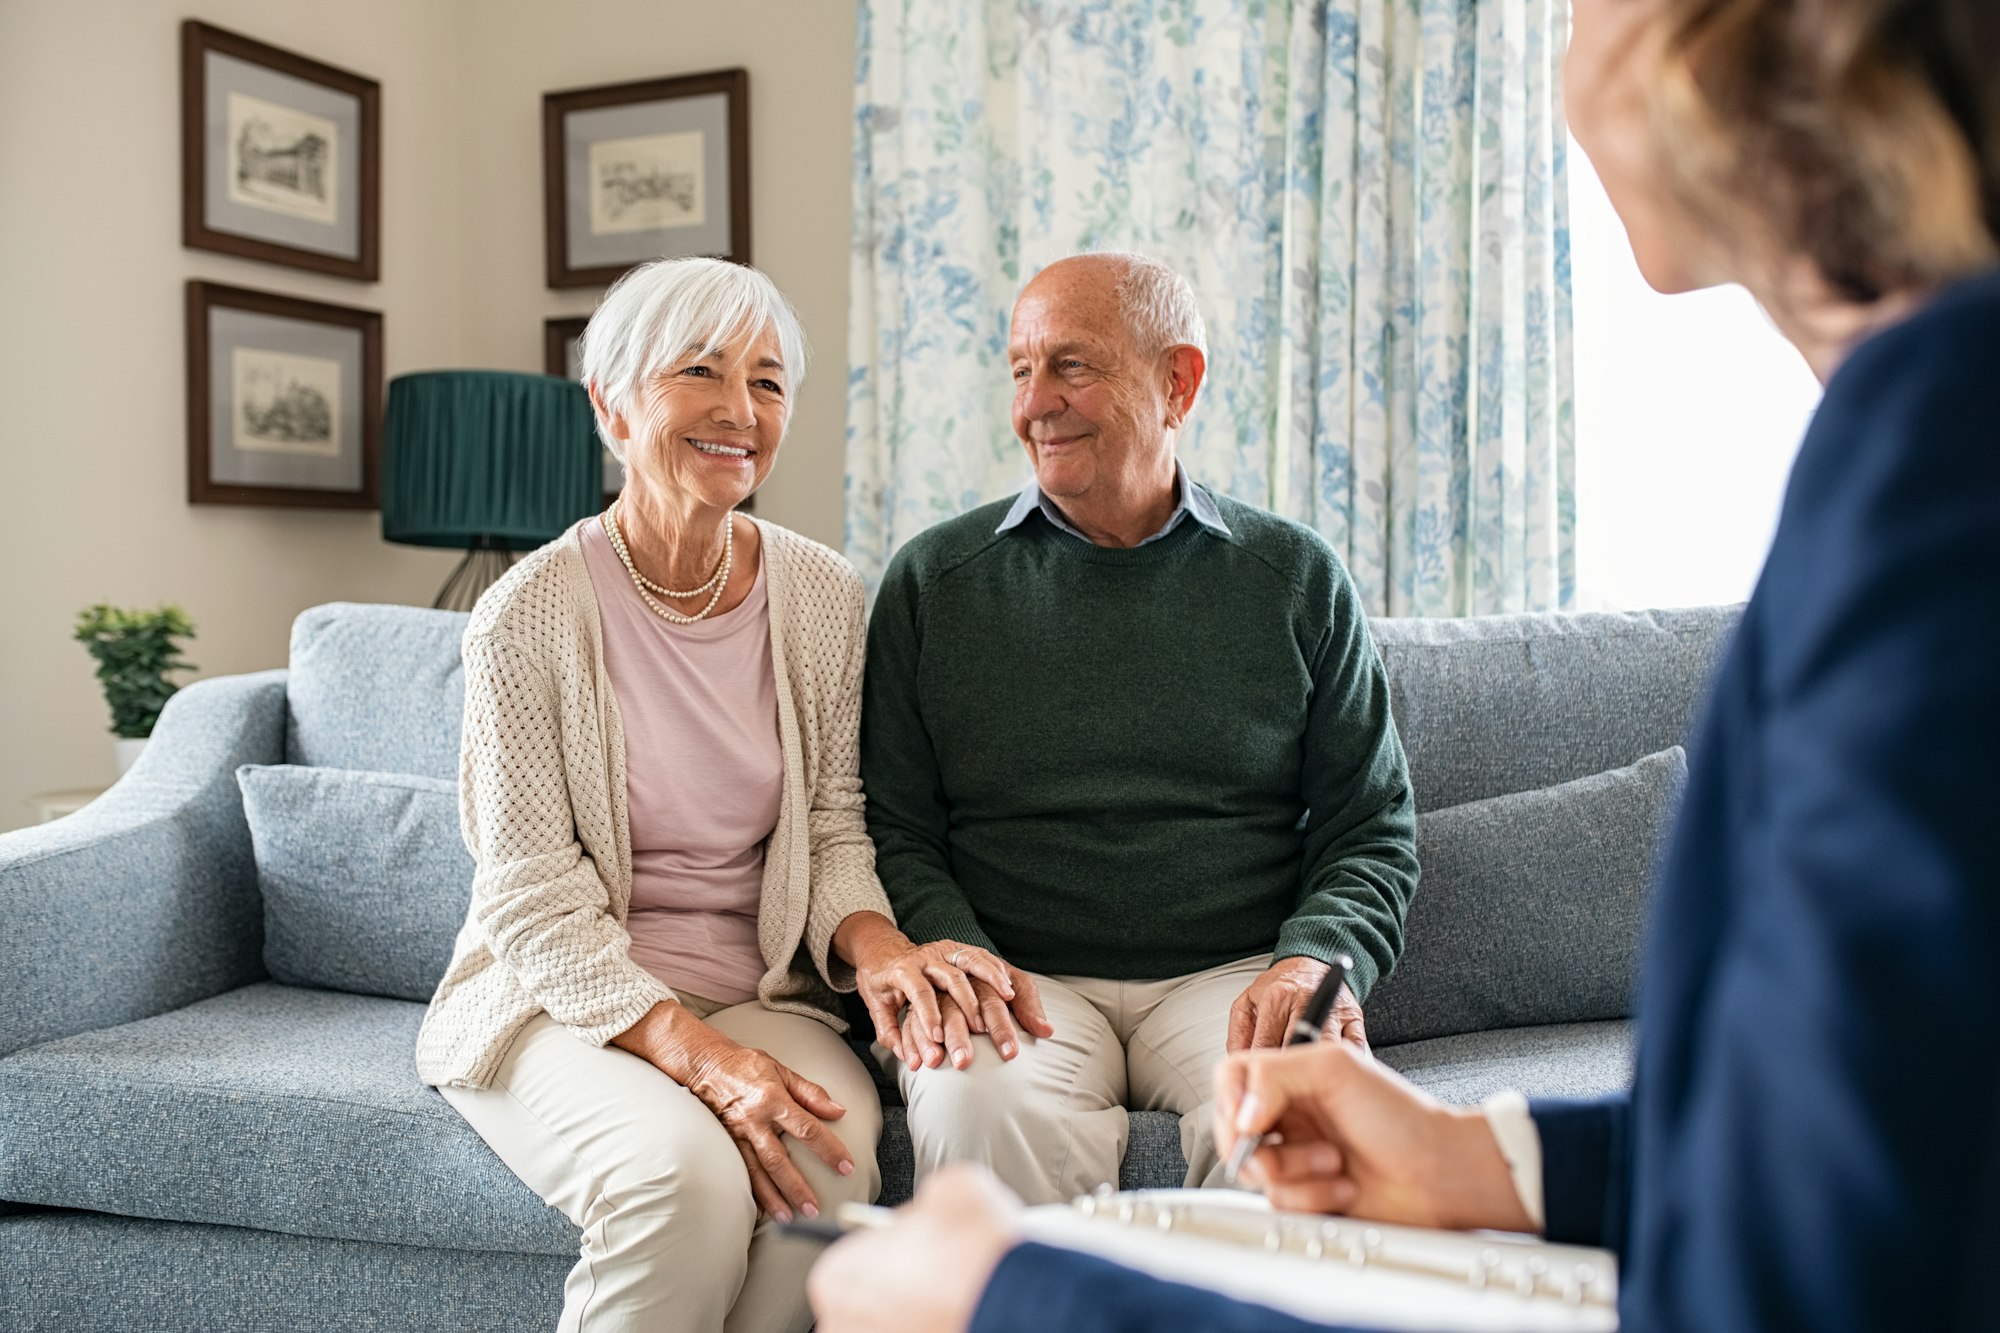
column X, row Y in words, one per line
column 660, row 313
column 1158, row 305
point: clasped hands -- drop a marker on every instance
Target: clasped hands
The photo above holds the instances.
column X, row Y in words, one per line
column 927, row 1000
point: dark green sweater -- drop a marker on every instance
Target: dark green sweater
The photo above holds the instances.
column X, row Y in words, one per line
column 1135, row 763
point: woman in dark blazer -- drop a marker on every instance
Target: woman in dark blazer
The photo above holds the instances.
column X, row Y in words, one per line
column 1812, row 1140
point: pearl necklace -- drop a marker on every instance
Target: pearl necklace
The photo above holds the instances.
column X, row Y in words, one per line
column 658, row 590
column 719, row 580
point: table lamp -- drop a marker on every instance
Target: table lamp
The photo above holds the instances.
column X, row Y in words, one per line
column 490, row 461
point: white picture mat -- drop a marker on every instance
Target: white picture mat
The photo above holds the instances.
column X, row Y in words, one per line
column 285, row 177
column 706, row 115
column 654, row 182
column 228, row 465
column 285, row 404
column 224, row 74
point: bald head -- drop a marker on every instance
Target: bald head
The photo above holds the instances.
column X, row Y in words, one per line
column 1150, row 301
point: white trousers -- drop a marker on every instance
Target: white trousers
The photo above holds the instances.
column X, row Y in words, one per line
column 1051, row 1122
column 671, row 1236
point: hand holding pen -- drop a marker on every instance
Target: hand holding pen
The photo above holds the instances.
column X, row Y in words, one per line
column 1355, row 1137
column 1309, row 1027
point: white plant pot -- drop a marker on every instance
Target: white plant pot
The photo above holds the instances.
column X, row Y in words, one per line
column 128, row 752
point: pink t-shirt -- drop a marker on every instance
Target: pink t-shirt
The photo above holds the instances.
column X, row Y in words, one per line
column 703, row 774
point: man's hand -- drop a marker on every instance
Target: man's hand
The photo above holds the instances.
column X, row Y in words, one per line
column 1356, row 1138
column 924, row 1272
column 1264, row 1013
column 991, row 1011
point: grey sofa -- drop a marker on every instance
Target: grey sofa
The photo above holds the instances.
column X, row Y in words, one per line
column 187, row 1143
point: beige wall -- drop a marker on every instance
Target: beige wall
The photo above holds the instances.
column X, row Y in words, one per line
column 92, row 459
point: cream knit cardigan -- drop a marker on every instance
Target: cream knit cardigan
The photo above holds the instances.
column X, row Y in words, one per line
column 542, row 806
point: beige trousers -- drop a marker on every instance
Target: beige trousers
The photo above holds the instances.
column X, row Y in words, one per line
column 671, row 1236
column 1051, row 1121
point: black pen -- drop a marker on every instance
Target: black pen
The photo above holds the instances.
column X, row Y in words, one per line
column 1307, row 1028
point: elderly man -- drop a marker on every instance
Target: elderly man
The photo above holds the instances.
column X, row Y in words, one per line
column 1134, row 738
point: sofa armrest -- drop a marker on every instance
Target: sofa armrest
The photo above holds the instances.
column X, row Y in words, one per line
column 146, row 899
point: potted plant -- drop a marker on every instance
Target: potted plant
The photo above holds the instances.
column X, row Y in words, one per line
column 134, row 650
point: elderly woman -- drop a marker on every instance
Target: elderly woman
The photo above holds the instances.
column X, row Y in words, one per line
column 659, row 788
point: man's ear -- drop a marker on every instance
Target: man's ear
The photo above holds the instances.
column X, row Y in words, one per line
column 1185, row 368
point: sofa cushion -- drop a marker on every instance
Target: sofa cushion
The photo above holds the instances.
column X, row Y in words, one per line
column 266, row 1107
column 1561, row 1060
column 364, row 875
column 378, row 688
column 1497, row 704
column 1530, row 907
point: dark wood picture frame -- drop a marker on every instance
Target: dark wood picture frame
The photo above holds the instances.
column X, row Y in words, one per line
column 733, row 84
column 556, row 335
column 197, row 40
column 203, row 297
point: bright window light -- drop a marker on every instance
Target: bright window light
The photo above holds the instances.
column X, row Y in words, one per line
column 1689, row 410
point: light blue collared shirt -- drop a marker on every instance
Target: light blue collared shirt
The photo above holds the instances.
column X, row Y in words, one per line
column 1193, row 502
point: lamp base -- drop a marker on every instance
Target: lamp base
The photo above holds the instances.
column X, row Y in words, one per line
column 486, row 559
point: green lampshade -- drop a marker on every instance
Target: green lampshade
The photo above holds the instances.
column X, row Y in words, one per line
column 487, row 458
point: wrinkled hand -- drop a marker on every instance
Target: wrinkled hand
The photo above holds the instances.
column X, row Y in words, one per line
column 925, row 1272
column 903, row 988
column 995, row 1012
column 1264, row 1013
column 1356, row 1138
column 758, row 1100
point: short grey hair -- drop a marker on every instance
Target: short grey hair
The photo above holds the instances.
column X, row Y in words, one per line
column 1158, row 305
column 657, row 314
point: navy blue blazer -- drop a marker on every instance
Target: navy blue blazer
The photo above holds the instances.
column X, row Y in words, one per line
column 1812, row 1141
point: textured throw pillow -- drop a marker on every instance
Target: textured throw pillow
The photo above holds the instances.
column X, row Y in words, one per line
column 1530, row 907
column 365, row 876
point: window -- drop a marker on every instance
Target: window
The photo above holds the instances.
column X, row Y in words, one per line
column 1688, row 412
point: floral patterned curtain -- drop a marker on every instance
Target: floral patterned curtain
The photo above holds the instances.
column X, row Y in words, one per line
column 1369, row 197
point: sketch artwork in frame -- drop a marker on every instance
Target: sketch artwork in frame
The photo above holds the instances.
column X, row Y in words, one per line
column 284, row 400
column 280, row 156
column 652, row 170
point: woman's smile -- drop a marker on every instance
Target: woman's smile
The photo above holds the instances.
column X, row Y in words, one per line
column 724, row 449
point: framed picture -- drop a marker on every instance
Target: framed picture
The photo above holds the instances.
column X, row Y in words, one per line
column 284, row 400
column 639, row 171
column 562, row 356
column 281, row 156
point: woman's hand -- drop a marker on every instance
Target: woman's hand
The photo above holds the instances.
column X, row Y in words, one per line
column 903, row 983
column 758, row 1100
column 1357, row 1138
